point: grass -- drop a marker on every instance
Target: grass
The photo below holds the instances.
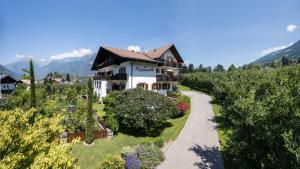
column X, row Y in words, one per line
column 222, row 132
column 184, row 88
column 99, row 108
column 90, row 157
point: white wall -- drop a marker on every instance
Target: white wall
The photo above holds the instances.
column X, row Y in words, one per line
column 138, row 76
column 101, row 90
column 7, row 86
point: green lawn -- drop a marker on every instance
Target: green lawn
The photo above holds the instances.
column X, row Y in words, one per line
column 90, row 157
column 184, row 88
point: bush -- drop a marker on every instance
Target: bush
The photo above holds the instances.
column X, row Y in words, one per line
column 183, row 107
column 114, row 162
column 132, row 162
column 112, row 122
column 126, row 150
column 159, row 142
column 150, row 155
column 141, row 110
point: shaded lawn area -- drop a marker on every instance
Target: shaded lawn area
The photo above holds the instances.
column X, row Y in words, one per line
column 91, row 157
column 223, row 133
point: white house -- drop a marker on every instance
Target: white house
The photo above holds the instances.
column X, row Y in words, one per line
column 7, row 84
column 119, row 69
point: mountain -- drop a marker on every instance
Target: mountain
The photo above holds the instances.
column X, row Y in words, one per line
column 74, row 66
column 4, row 70
column 292, row 52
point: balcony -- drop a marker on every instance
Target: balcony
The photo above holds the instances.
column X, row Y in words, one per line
column 166, row 78
column 166, row 63
column 118, row 76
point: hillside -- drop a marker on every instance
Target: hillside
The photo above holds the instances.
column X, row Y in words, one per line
column 73, row 66
column 4, row 70
column 292, row 52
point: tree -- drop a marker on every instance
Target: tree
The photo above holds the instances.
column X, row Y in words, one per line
column 32, row 85
column 26, row 145
column 200, row 68
column 231, row 68
column 191, row 68
column 68, row 77
column 298, row 60
column 219, row 68
column 285, row 61
column 89, row 119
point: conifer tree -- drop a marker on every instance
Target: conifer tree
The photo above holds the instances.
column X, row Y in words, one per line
column 89, row 119
column 32, row 85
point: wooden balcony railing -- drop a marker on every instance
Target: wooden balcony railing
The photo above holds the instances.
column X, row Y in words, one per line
column 170, row 64
column 166, row 78
column 118, row 76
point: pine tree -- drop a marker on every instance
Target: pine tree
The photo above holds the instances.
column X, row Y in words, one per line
column 191, row 68
column 89, row 119
column 32, row 85
column 231, row 68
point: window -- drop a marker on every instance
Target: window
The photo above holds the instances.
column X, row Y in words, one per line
column 142, row 85
column 122, row 70
column 165, row 86
column 157, row 70
column 154, row 86
column 163, row 71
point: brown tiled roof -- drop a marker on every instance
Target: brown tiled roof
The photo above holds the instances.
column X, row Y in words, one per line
column 130, row 54
column 156, row 53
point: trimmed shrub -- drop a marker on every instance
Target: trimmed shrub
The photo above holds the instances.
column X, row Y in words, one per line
column 159, row 142
column 132, row 161
column 141, row 110
column 126, row 150
column 150, row 155
column 114, row 162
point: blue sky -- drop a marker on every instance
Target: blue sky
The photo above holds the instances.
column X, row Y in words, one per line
column 209, row 32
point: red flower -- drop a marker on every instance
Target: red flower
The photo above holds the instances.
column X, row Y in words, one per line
column 182, row 107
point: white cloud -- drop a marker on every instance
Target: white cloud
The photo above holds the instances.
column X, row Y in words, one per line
column 274, row 49
column 134, row 48
column 21, row 56
column 72, row 54
column 291, row 28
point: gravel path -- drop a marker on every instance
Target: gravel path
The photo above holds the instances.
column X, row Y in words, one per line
column 197, row 145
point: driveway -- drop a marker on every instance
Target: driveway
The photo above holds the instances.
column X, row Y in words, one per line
column 197, row 145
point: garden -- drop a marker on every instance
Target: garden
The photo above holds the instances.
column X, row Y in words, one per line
column 142, row 121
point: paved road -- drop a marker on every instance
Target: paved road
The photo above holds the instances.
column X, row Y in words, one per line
column 197, row 145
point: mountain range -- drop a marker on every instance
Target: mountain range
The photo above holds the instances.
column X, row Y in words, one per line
column 74, row 66
column 292, row 52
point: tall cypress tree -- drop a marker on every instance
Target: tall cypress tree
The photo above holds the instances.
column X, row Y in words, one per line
column 32, row 85
column 68, row 77
column 89, row 119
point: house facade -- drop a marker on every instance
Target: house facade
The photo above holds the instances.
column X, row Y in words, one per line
column 7, row 84
column 120, row 69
